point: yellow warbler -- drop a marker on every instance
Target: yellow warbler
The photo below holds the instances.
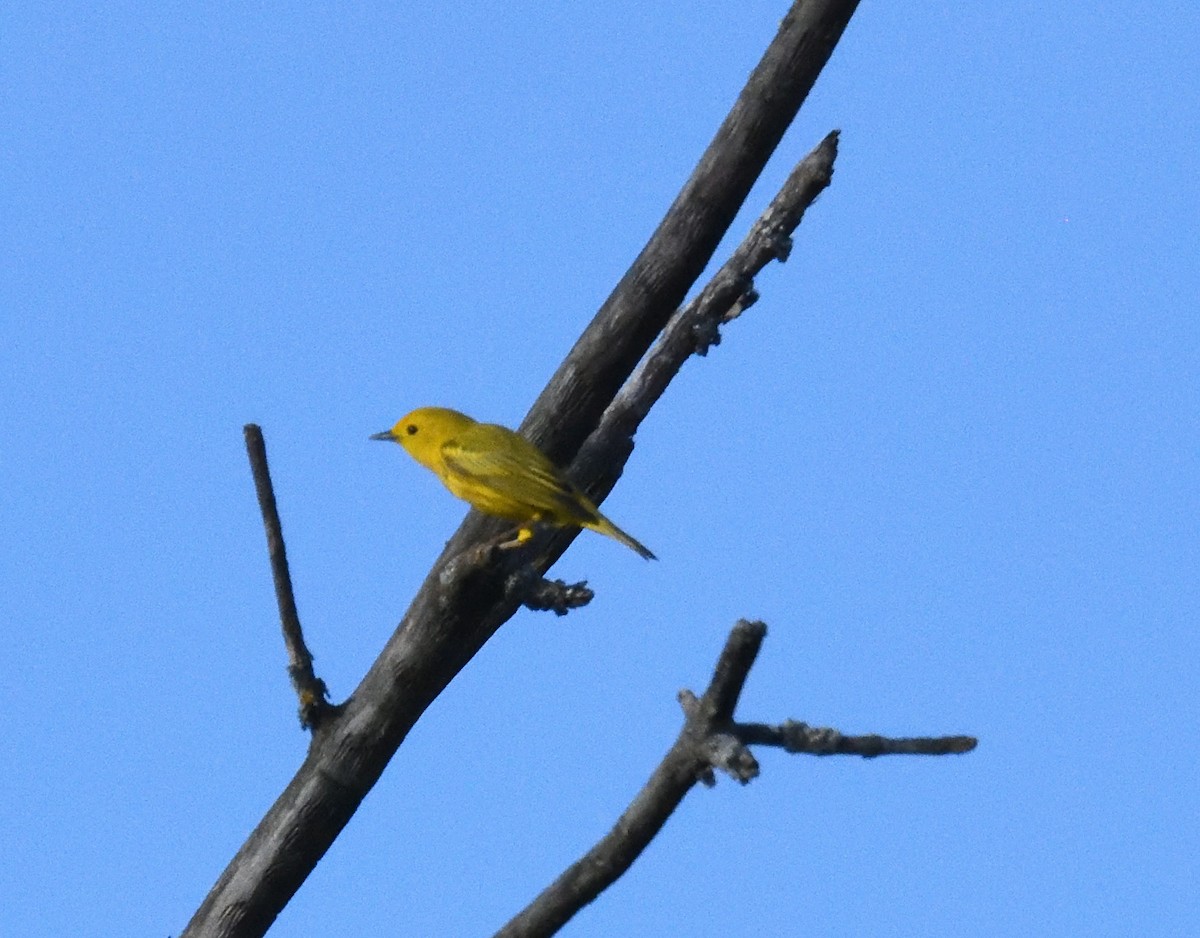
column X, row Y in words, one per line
column 499, row 472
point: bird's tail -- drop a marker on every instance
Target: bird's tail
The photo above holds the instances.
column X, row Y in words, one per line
column 604, row 526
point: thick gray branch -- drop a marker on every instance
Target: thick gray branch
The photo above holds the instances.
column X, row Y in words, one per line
column 463, row 601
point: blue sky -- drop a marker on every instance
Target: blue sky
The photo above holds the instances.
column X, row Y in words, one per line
column 950, row 458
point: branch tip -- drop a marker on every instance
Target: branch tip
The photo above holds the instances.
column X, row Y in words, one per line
column 709, row 740
column 310, row 689
column 555, row 596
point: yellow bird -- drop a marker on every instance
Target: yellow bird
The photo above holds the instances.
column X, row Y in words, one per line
column 499, row 472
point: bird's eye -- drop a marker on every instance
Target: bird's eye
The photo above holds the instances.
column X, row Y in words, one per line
column 411, row 429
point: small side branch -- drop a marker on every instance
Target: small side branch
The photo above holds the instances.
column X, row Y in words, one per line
column 311, row 690
column 542, row 595
column 710, row 740
column 794, row 736
column 694, row 328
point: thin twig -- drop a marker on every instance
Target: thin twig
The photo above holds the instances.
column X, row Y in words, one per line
column 709, row 740
column 311, row 690
column 794, row 736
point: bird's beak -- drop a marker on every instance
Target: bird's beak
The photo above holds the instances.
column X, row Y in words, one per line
column 385, row 435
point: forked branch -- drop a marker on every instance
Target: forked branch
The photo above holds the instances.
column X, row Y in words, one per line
column 710, row 739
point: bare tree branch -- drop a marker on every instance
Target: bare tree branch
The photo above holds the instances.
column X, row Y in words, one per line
column 314, row 703
column 465, row 599
column 823, row 741
column 694, row 329
column 710, row 739
column 655, row 285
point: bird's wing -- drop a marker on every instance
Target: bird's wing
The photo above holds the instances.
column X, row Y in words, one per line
column 526, row 477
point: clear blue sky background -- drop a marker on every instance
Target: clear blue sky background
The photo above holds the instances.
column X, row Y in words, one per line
column 950, row 458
